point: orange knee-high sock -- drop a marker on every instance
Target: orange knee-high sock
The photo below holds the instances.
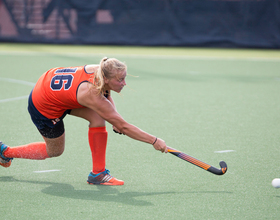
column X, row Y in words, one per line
column 97, row 137
column 34, row 151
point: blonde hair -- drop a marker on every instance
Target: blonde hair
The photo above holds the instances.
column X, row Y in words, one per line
column 108, row 68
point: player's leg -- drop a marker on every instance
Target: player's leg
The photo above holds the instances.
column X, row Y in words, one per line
column 55, row 146
column 97, row 137
column 52, row 147
column 52, row 132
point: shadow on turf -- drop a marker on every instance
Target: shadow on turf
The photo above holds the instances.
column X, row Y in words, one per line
column 97, row 193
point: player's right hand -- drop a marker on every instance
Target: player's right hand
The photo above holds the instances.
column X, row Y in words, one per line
column 160, row 145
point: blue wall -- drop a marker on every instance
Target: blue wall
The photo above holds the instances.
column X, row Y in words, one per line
column 204, row 23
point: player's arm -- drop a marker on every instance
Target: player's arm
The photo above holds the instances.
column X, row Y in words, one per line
column 88, row 97
column 113, row 103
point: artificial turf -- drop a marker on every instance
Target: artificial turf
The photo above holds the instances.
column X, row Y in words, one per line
column 203, row 102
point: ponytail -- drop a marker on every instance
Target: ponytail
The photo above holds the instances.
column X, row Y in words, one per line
column 99, row 76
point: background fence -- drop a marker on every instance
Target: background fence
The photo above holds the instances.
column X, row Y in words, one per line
column 213, row 23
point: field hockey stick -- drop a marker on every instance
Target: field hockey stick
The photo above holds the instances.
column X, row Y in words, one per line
column 199, row 163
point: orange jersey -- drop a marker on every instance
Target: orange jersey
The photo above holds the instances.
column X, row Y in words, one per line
column 56, row 90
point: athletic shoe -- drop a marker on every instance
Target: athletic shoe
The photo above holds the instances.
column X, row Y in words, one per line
column 103, row 178
column 4, row 161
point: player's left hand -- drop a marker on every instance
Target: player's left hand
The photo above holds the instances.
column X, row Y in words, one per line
column 117, row 130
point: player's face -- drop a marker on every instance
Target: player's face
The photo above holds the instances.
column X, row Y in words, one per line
column 117, row 82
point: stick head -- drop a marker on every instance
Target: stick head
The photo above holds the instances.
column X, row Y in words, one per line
column 223, row 166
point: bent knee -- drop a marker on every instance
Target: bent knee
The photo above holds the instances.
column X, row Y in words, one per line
column 55, row 152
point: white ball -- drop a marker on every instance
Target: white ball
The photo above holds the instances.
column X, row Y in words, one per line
column 276, row 183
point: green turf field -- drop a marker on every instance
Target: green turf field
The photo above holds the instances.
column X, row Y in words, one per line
column 203, row 102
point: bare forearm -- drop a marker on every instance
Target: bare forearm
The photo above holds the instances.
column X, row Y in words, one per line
column 137, row 134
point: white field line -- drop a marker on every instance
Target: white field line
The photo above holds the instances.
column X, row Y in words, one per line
column 142, row 56
column 22, row 82
column 224, row 151
column 18, row 82
column 14, row 99
column 45, row 171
